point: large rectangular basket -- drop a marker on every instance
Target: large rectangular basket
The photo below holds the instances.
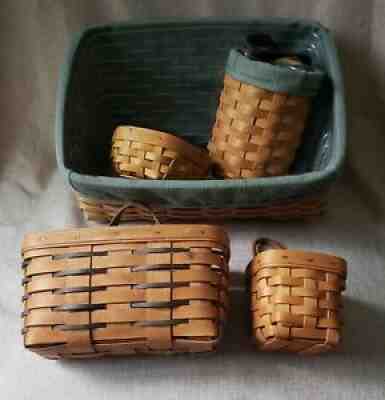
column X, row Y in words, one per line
column 91, row 292
column 168, row 76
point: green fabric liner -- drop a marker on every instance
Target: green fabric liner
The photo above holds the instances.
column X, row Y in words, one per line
column 275, row 78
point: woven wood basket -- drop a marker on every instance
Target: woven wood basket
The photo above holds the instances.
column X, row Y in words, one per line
column 123, row 290
column 146, row 153
column 152, row 79
column 257, row 131
column 295, row 299
column 102, row 211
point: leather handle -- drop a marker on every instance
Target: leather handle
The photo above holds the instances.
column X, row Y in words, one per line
column 115, row 220
column 170, row 166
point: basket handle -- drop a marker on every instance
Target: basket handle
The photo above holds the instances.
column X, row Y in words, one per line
column 169, row 169
column 115, row 220
column 263, row 244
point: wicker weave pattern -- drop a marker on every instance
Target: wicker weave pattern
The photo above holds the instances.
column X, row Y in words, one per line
column 113, row 291
column 296, row 300
column 145, row 153
column 103, row 211
column 257, row 132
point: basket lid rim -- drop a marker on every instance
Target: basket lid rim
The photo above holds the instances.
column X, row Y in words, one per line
column 281, row 258
column 116, row 234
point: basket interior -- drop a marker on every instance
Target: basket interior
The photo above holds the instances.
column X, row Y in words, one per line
column 168, row 77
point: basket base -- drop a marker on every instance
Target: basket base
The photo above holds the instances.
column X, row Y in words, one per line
column 103, row 211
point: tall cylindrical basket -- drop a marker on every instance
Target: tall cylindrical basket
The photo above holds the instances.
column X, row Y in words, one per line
column 261, row 116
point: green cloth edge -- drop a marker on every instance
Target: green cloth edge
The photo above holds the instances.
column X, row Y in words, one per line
column 275, row 78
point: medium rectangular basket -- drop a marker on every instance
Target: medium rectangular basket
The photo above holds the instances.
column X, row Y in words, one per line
column 92, row 292
column 137, row 73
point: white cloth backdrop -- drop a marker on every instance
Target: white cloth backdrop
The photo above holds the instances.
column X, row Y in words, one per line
column 33, row 196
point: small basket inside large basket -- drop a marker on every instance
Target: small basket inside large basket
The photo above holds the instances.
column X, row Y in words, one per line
column 146, row 153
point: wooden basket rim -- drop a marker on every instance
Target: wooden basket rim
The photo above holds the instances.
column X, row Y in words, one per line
column 132, row 233
column 306, row 259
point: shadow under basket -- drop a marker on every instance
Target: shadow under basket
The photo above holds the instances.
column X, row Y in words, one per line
column 168, row 76
column 125, row 290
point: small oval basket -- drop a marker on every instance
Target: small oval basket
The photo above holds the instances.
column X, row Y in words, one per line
column 146, row 153
column 261, row 116
column 295, row 299
column 124, row 290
